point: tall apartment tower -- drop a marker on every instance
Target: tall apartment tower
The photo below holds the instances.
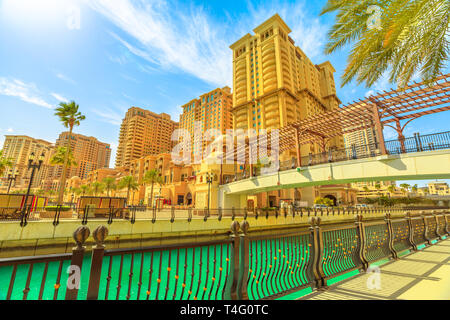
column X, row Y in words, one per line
column 19, row 148
column 89, row 153
column 275, row 83
column 212, row 111
column 364, row 139
column 144, row 133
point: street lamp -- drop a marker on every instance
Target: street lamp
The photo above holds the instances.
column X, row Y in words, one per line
column 209, row 181
column 34, row 164
column 12, row 176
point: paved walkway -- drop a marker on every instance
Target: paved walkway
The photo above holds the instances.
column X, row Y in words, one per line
column 423, row 275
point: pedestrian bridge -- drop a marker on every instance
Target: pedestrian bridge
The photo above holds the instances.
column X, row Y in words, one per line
column 410, row 166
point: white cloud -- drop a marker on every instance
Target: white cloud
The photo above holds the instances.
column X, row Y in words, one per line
column 65, row 78
column 308, row 33
column 27, row 92
column 382, row 84
column 164, row 35
column 9, row 130
column 187, row 38
column 59, row 97
column 109, row 116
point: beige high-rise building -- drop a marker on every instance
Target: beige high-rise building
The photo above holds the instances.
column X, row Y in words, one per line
column 212, row 111
column 144, row 133
column 364, row 142
column 275, row 83
column 89, row 153
column 18, row 148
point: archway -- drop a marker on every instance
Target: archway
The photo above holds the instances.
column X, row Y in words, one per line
column 332, row 198
column 250, row 205
column 189, row 199
column 297, row 195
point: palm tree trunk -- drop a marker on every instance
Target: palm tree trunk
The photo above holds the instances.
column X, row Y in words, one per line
column 151, row 196
column 63, row 175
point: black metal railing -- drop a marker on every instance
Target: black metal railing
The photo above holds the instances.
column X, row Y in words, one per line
column 418, row 143
column 266, row 263
column 178, row 213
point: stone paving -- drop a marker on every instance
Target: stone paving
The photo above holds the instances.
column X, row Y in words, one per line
column 423, row 275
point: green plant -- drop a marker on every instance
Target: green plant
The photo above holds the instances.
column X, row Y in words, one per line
column 110, row 184
column 69, row 115
column 409, row 37
column 152, row 177
column 129, row 183
column 59, row 157
column 97, row 188
column 324, row 201
column 54, row 208
column 4, row 163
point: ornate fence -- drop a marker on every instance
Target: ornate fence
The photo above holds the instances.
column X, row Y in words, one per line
column 417, row 143
column 264, row 263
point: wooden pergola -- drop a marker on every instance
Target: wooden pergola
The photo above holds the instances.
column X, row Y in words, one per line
column 388, row 108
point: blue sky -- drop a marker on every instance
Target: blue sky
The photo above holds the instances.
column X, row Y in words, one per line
column 111, row 55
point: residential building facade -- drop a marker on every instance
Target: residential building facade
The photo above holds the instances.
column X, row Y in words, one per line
column 18, row 148
column 144, row 133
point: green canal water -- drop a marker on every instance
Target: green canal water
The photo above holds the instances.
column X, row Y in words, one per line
column 160, row 278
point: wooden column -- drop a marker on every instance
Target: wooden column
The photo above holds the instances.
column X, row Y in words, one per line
column 379, row 129
column 297, row 147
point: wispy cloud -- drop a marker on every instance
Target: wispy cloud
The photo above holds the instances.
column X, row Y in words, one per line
column 187, row 38
column 109, row 116
column 170, row 37
column 65, row 78
column 380, row 85
column 308, row 32
column 59, row 97
column 129, row 78
column 27, row 92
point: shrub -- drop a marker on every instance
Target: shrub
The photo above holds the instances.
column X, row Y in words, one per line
column 54, row 208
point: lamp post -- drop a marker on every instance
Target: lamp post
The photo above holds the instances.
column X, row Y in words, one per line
column 34, row 164
column 209, row 181
column 12, row 176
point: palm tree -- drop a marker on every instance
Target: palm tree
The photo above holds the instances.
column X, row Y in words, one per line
column 50, row 194
column 4, row 163
column 378, row 187
column 97, row 187
column 391, row 189
column 69, row 116
column 415, row 188
column 84, row 190
column 110, row 184
column 129, row 183
column 405, row 187
column 152, row 177
column 76, row 191
column 59, row 157
column 410, row 38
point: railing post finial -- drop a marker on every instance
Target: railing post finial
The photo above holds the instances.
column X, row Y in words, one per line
column 100, row 235
column 80, row 236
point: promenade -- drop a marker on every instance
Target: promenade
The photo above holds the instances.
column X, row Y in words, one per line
column 423, row 275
